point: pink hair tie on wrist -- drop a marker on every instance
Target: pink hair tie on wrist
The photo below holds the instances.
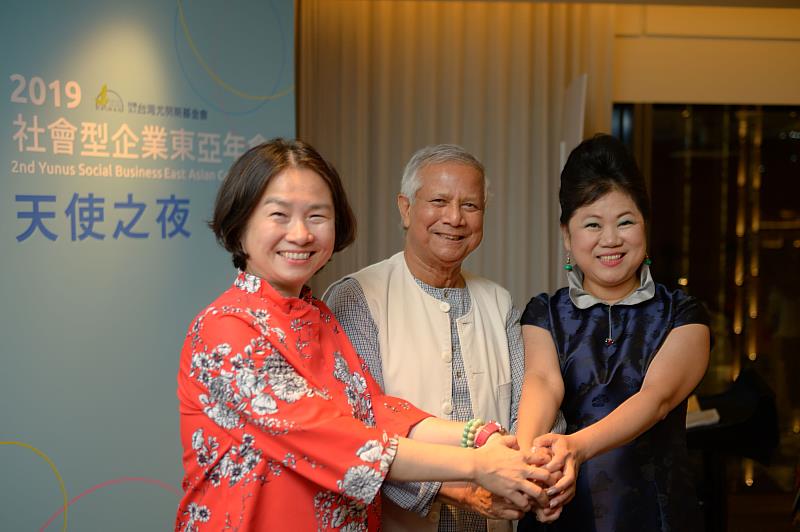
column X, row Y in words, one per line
column 486, row 431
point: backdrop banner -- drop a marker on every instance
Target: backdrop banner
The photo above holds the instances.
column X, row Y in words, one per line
column 119, row 120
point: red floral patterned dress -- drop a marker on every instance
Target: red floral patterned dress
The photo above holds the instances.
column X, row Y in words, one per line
column 282, row 426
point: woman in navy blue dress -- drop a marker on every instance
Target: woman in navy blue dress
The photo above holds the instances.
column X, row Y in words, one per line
column 619, row 353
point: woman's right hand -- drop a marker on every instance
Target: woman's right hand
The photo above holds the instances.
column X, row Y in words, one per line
column 511, row 473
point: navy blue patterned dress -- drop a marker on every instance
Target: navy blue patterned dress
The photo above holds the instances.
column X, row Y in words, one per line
column 604, row 352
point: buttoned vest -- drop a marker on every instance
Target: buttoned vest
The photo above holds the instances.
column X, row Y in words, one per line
column 416, row 352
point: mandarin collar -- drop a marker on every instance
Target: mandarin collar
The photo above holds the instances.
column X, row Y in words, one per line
column 438, row 289
column 583, row 299
column 253, row 284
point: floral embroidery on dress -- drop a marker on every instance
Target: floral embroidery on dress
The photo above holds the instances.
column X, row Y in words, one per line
column 358, row 396
column 224, row 403
column 389, row 452
column 263, row 404
column 215, row 404
column 234, row 465
column 237, row 462
column 197, row 514
column 333, row 510
column 205, row 363
column 261, row 319
column 371, row 451
column 286, row 384
column 205, row 452
column 404, row 405
column 362, row 482
column 247, row 282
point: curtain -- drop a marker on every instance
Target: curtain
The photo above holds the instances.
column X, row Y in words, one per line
column 377, row 80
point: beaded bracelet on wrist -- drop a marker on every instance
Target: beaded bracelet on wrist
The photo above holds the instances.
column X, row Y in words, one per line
column 470, row 429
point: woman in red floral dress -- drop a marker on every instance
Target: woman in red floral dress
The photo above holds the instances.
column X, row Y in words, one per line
column 282, row 426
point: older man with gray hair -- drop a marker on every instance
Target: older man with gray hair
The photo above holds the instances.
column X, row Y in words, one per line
column 446, row 340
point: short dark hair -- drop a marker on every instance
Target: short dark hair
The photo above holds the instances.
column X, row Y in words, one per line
column 596, row 167
column 249, row 177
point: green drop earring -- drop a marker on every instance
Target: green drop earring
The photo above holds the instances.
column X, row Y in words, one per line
column 568, row 265
column 647, row 259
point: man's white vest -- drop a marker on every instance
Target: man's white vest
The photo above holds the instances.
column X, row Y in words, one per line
column 416, row 354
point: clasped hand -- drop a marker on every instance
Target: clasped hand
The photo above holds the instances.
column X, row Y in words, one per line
column 563, row 467
column 513, row 482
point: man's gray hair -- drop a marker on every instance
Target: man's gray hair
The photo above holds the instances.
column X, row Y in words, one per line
column 438, row 154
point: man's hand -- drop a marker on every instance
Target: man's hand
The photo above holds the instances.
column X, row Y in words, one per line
column 472, row 497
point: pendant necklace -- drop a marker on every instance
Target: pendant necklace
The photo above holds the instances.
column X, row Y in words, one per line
column 610, row 338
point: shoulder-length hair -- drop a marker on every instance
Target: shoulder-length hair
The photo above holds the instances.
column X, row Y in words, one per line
column 248, row 178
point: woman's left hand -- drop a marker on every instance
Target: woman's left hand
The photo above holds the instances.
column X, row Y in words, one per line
column 565, row 457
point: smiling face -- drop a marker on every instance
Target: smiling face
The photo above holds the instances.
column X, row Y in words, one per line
column 445, row 222
column 607, row 241
column 291, row 233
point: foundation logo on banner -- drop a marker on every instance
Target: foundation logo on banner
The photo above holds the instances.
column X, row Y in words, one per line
column 108, row 100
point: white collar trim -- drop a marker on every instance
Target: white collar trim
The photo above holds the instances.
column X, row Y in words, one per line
column 583, row 299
